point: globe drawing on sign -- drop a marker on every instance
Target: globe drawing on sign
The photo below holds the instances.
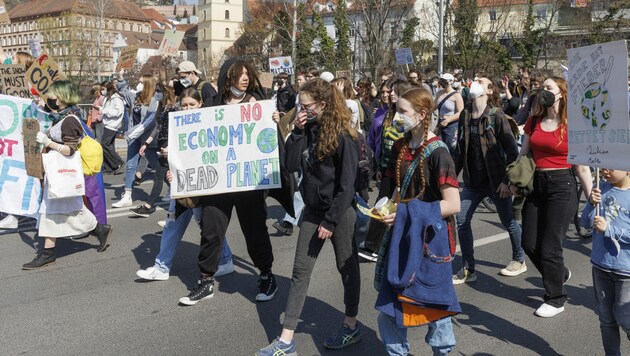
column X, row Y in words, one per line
column 286, row 62
column 267, row 140
column 596, row 108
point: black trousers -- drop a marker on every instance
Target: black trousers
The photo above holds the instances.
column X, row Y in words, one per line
column 110, row 158
column 216, row 211
column 547, row 213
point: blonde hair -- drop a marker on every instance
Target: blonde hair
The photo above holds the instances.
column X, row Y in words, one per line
column 65, row 92
column 148, row 90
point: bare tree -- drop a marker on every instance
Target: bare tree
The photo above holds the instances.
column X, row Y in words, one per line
column 100, row 9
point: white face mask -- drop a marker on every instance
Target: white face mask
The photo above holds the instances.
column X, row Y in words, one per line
column 404, row 123
column 503, row 95
column 455, row 85
column 476, row 90
column 139, row 87
column 185, row 82
column 104, row 92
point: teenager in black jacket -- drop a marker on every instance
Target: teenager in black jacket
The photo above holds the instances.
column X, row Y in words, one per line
column 323, row 145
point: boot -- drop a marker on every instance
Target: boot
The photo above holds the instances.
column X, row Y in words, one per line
column 102, row 232
column 43, row 258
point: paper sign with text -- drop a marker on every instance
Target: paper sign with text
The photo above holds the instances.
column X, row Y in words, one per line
column 223, row 149
column 279, row 65
column 127, row 57
column 12, row 77
column 35, row 46
column 4, row 15
column 32, row 149
column 599, row 128
column 170, row 42
column 42, row 73
column 403, row 56
column 19, row 192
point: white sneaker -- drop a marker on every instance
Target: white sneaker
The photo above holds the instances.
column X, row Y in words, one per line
column 514, row 269
column 170, row 217
column 225, row 269
column 10, row 222
column 464, row 275
column 547, row 311
column 125, row 201
column 152, row 274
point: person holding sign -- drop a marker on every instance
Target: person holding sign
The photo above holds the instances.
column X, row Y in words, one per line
column 64, row 217
column 608, row 212
column 323, row 145
column 549, row 209
column 238, row 83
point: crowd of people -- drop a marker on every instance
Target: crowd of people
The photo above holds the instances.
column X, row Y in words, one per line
column 415, row 137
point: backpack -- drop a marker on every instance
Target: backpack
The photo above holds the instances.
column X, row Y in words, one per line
column 365, row 169
column 513, row 125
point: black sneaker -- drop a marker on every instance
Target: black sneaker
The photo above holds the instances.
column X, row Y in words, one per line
column 284, row 227
column 120, row 169
column 43, row 258
column 203, row 290
column 142, row 211
column 102, row 232
column 267, row 287
column 137, row 179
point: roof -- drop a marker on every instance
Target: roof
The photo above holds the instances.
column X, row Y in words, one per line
column 168, row 11
column 39, row 8
column 159, row 22
column 502, row 3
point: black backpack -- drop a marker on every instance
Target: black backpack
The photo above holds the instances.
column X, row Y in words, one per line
column 365, row 169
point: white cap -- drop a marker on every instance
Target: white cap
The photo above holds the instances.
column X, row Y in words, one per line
column 447, row 76
column 327, row 76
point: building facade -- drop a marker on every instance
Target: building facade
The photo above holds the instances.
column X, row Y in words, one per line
column 219, row 26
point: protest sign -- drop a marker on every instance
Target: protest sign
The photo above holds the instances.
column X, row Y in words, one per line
column 223, row 149
column 170, row 42
column 32, row 149
column 266, row 80
column 4, row 15
column 279, row 65
column 127, row 57
column 19, row 193
column 42, row 73
column 403, row 56
column 35, row 46
column 344, row 74
column 12, row 77
column 598, row 128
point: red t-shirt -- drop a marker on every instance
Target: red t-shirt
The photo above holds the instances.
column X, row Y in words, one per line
column 550, row 149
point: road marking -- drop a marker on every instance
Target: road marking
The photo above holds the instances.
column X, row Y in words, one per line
column 120, row 212
column 488, row 240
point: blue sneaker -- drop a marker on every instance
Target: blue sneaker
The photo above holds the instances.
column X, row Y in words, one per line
column 343, row 338
column 278, row 348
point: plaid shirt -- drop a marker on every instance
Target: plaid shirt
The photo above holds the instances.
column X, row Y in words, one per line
column 497, row 144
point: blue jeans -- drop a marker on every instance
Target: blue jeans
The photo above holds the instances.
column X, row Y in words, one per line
column 172, row 235
column 439, row 336
column 133, row 156
column 298, row 203
column 448, row 135
column 470, row 199
column 612, row 304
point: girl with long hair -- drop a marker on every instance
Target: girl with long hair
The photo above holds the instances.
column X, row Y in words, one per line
column 112, row 113
column 433, row 179
column 323, row 145
column 548, row 210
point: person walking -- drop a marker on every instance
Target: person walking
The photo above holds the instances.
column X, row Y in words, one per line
column 112, row 113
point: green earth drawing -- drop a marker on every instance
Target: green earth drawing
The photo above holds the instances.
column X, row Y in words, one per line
column 267, row 140
column 596, row 106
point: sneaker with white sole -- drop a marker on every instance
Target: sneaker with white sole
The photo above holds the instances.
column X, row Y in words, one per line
column 224, row 269
column 203, row 290
column 514, row 269
column 567, row 277
column 464, row 275
column 10, row 222
column 267, row 287
column 125, row 201
column 548, row 311
column 368, row 255
column 278, row 348
column 152, row 274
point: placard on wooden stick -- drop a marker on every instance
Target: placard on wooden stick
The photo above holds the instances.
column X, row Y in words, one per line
column 42, row 73
column 12, row 77
column 32, row 150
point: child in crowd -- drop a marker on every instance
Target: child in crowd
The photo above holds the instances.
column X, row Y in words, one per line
column 611, row 255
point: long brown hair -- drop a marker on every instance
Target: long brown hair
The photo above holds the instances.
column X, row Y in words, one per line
column 348, row 90
column 420, row 100
column 540, row 111
column 335, row 119
column 234, row 73
column 149, row 84
column 398, row 86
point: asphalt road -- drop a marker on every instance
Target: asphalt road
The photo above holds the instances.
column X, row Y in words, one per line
column 92, row 303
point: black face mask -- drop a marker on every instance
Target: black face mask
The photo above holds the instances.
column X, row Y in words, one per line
column 546, row 98
column 52, row 104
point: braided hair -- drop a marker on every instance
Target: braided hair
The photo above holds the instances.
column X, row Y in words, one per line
column 421, row 101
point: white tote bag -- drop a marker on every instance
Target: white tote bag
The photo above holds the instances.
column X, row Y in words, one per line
column 64, row 175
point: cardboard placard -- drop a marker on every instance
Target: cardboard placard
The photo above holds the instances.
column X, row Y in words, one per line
column 12, row 77
column 223, row 149
column 266, row 80
column 404, row 56
column 43, row 73
column 35, row 46
column 32, row 149
column 279, row 65
column 343, row 74
column 170, row 42
column 4, row 14
column 127, row 57
column 598, row 125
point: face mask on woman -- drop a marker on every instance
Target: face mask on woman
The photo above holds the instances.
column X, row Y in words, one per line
column 139, row 87
column 456, row 85
column 476, row 90
column 503, row 95
column 236, row 92
column 104, row 92
column 52, row 104
column 311, row 115
column 404, row 123
column 546, row 98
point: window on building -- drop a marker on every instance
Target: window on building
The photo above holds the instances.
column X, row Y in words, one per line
column 227, row 0
column 227, row 14
column 493, row 15
column 392, row 30
column 541, row 14
column 4, row 42
column 204, row 15
column 204, row 34
column 352, row 32
column 227, row 33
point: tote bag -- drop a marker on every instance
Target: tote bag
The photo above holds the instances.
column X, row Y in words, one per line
column 91, row 152
column 64, row 175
